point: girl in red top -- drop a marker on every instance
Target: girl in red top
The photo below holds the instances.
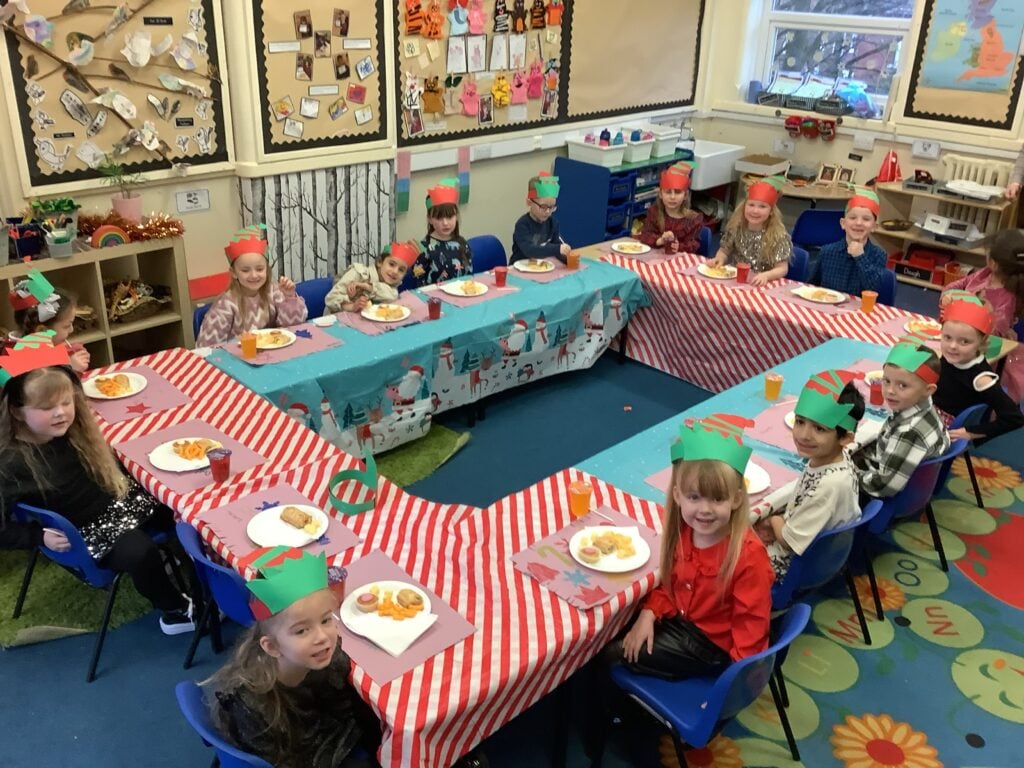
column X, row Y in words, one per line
column 713, row 604
column 669, row 223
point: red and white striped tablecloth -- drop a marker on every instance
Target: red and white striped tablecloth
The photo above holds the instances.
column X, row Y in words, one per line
column 716, row 336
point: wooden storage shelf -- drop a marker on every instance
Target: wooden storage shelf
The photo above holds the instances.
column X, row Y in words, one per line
column 925, row 239
column 87, row 337
column 896, row 188
column 160, row 318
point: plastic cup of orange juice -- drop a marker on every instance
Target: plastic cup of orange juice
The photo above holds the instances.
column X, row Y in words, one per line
column 579, row 498
column 248, row 343
column 572, row 259
column 772, row 386
column 867, row 301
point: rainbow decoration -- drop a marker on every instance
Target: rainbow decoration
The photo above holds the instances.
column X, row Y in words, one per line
column 108, row 235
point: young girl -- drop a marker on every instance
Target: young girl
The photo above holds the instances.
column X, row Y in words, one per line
column 669, row 223
column 284, row 695
column 713, row 603
column 361, row 284
column 53, row 456
column 38, row 306
column 1001, row 284
column 755, row 235
column 251, row 301
column 445, row 252
column 826, row 493
column 966, row 378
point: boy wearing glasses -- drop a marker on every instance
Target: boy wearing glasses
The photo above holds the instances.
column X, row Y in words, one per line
column 536, row 233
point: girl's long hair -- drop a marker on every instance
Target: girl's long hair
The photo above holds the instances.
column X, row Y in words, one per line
column 657, row 210
column 235, row 291
column 775, row 235
column 444, row 211
column 1006, row 249
column 713, row 480
column 28, row 319
column 42, row 388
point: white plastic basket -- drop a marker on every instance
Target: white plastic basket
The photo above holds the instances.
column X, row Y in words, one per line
column 638, row 151
column 665, row 138
column 607, row 157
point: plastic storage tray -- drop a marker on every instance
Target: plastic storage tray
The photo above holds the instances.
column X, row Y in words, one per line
column 607, row 157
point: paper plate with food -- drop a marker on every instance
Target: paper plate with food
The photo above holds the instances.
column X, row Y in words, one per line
column 630, row 247
column 756, row 477
column 186, row 454
column 291, row 525
column 533, row 265
column 274, row 338
column 464, row 288
column 716, row 272
column 819, row 295
column 790, row 419
column 386, row 313
column 873, row 376
column 610, row 549
column 115, row 386
column 391, row 614
column 924, row 327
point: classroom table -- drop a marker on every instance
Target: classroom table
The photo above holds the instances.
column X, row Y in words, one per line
column 381, row 391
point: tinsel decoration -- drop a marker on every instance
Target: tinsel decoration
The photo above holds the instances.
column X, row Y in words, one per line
column 156, row 226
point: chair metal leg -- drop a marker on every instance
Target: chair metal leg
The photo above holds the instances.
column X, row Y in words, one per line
column 784, row 719
column 201, row 628
column 936, row 539
column 856, row 605
column 974, row 479
column 781, row 680
column 112, row 590
column 172, row 561
column 870, row 568
column 33, row 556
column 680, row 750
column 216, row 639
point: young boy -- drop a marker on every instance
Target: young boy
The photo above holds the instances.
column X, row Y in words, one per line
column 363, row 283
column 826, row 494
column 853, row 264
column 914, row 430
column 536, row 233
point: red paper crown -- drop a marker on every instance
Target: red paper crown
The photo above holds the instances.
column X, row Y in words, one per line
column 404, row 252
column 447, row 191
column 30, row 352
column 975, row 314
column 764, row 191
column 675, row 177
column 251, row 239
column 864, row 198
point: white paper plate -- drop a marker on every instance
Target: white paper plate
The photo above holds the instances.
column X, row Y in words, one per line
column 757, row 478
column 264, row 336
column 164, row 458
column 931, row 328
column 872, row 375
column 366, row 624
column 267, row 529
column 537, row 265
column 728, row 273
column 790, row 421
column 630, row 247
column 819, row 295
column 458, row 288
column 373, row 313
column 611, row 563
column 325, row 322
column 137, row 382
column 203, row 352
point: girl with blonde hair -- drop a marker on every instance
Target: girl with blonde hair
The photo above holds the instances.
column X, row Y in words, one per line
column 755, row 235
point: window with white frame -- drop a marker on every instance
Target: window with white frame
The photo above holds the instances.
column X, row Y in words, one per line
column 852, row 48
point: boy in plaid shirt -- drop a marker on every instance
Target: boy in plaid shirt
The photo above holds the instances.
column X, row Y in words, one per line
column 914, row 430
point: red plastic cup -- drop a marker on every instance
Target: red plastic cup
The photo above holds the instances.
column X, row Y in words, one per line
column 434, row 308
column 500, row 276
column 875, row 397
column 220, row 464
column 742, row 272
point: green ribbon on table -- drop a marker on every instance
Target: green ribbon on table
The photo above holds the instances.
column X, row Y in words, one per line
column 366, row 477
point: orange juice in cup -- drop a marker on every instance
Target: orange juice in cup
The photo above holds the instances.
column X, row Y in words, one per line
column 572, row 259
column 867, row 301
column 579, row 498
column 248, row 343
column 772, row 386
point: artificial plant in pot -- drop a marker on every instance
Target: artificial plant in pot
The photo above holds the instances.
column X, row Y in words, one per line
column 128, row 203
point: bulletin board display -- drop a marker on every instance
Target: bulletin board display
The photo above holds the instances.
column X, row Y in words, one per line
column 135, row 84
column 472, row 67
column 319, row 66
column 967, row 68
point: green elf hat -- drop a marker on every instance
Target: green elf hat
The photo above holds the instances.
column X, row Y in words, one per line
column 864, row 198
column 819, row 400
column 676, row 176
column 718, row 437
column 33, row 290
column 251, row 239
column 914, row 358
column 289, row 574
column 767, row 190
column 32, row 351
column 353, row 491
column 446, row 191
column 543, row 185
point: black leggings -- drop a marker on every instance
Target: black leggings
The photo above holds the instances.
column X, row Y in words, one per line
column 681, row 650
column 136, row 554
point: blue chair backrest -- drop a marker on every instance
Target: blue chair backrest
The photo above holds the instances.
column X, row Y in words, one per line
column 488, row 252
column 816, row 227
column 704, row 249
column 1019, row 329
column 197, row 318
column 918, row 491
column 227, row 587
column 822, row 560
column 193, row 706
column 314, row 292
column 799, row 267
column 77, row 559
column 887, row 290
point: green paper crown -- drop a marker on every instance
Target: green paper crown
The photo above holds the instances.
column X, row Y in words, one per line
column 913, row 358
column 37, row 285
column 367, row 478
column 545, row 185
column 718, row 437
column 298, row 574
column 819, row 400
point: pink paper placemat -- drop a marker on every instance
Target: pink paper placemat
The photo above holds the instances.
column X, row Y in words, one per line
column 449, row 629
column 898, row 328
column 549, row 562
column 692, row 272
column 559, row 271
column 777, row 474
column 770, row 427
column 159, row 395
column 417, row 314
column 229, row 522
column 785, row 293
column 487, row 278
column 308, row 339
column 137, row 450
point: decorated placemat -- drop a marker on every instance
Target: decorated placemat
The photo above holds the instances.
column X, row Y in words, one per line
column 557, row 273
column 693, row 271
column 770, row 425
column 417, row 314
column 308, row 339
column 778, row 474
column 549, row 562
column 486, row 278
column 784, row 292
column 159, row 395
column 897, row 327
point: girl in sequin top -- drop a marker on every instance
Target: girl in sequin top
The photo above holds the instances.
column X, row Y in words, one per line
column 755, row 235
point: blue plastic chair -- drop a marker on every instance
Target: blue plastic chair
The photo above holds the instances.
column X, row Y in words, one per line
column 197, row 318
column 314, row 292
column 704, row 249
column 194, row 707
column 223, row 590
column 816, row 227
column 799, row 265
column 695, row 710
column 488, row 253
column 887, row 290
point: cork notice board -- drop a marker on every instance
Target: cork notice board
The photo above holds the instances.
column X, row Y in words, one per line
column 156, row 63
column 319, row 67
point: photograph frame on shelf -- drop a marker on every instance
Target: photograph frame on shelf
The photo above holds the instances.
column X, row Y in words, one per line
column 846, row 175
column 828, row 173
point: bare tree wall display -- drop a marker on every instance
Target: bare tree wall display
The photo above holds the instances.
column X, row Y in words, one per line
column 319, row 222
